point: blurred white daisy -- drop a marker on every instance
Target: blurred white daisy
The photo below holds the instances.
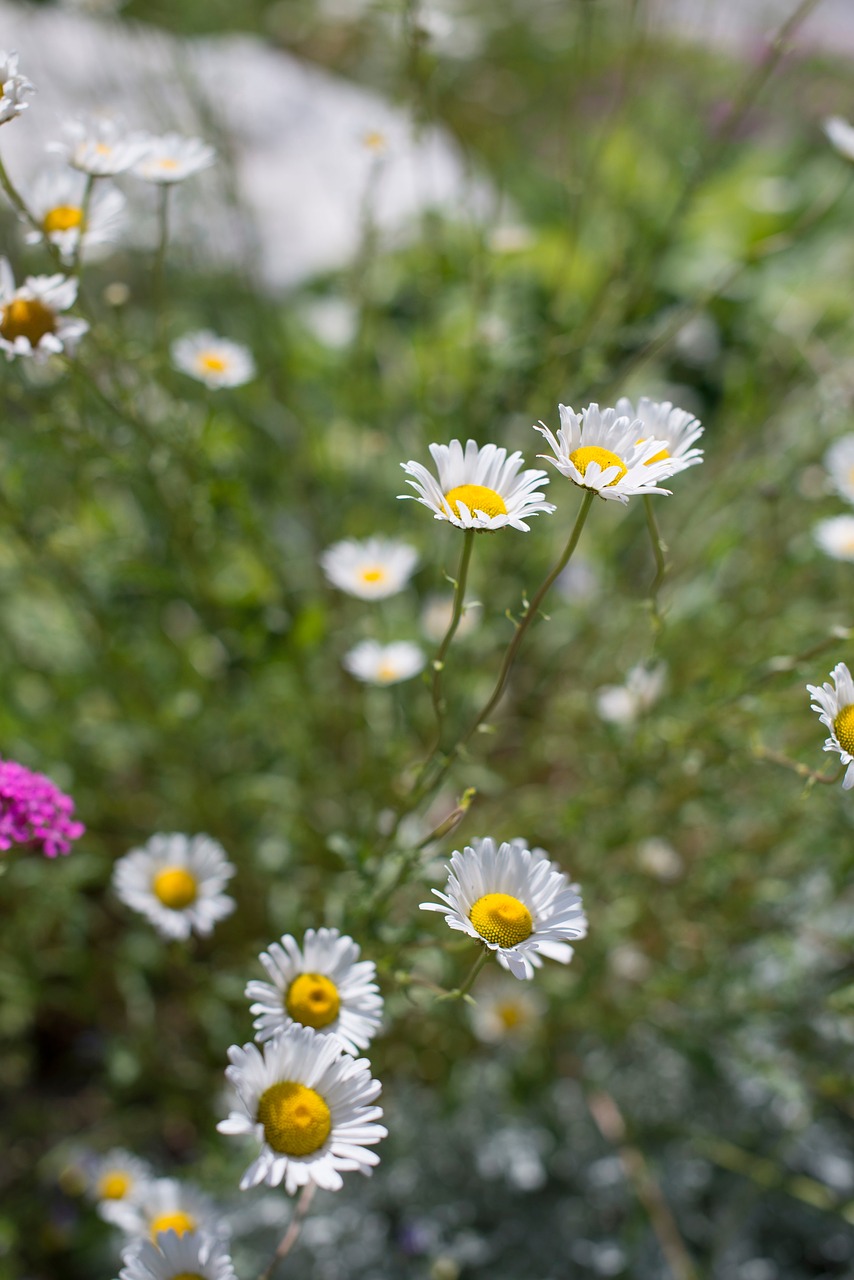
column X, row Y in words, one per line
column 115, row 1176
column 172, row 157
column 624, row 703
column 176, row 882
column 30, row 319
column 504, row 1012
column 607, row 452
column 309, row 1106
column 376, row 663
column 57, row 201
column 479, row 488
column 99, row 145
column 14, row 87
column 162, row 1206
column 839, row 463
column 371, row 570
column 515, row 901
column 835, row 707
column 836, row 537
column 217, row 362
column 325, row 986
column 438, row 611
column 677, row 428
column 188, row 1256
column 841, row 135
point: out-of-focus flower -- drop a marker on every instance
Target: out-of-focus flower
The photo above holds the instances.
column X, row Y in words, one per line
column 371, row 570
column 176, row 882
column 376, row 663
column 30, row 319
column 624, row 703
column 171, row 157
column 325, row 986
column 607, row 452
column 841, row 135
column 176, row 1256
column 835, row 706
column 836, row 537
column 513, row 900
column 663, row 421
column 309, row 1106
column 57, row 201
column 14, row 87
column 504, row 1012
column 163, row 1206
column 839, row 462
column 479, row 488
column 114, row 1177
column 658, row 858
column 332, row 321
column 437, row 612
column 215, row 361
column 34, row 812
column 100, row 146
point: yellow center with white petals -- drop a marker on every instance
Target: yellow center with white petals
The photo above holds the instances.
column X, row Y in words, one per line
column 843, row 727
column 502, row 919
column 179, row 1222
column 387, row 673
column 509, row 1015
column 313, row 1000
column 581, row 459
column 371, row 576
column 210, row 362
column 176, row 887
column 114, row 1185
column 296, row 1119
column 657, row 457
column 27, row 318
column 477, row 497
column 65, row 217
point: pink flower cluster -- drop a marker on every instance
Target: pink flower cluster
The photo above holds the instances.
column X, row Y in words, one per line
column 35, row 812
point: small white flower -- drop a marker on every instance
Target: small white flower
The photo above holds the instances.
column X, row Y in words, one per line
column 176, row 882
column 677, row 428
column 477, row 489
column 30, row 319
column 376, row 663
column 836, row 537
column 116, row 1176
column 835, row 707
column 172, row 158
column 100, row 146
column 14, row 86
column 841, row 135
column 513, row 900
column 606, row 452
column 657, row 857
column 309, row 1107
column 325, row 986
column 504, row 1012
column 839, row 463
column 161, row 1208
column 217, row 362
column 190, row 1256
column 57, row 201
column 624, row 703
column 371, row 570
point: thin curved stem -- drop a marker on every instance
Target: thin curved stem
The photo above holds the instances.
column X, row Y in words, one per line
column 456, row 615
column 291, row 1236
column 659, row 550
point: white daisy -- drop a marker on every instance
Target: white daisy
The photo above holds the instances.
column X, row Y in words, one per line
column 624, row 703
column 513, row 900
column 100, row 146
column 836, row 537
column 158, row 1209
column 478, row 488
column 609, row 453
column 172, row 158
column 217, row 362
column 178, row 1257
column 30, row 319
column 14, row 86
column 504, row 1012
column 309, row 1107
column 839, row 463
column 177, row 883
column 371, row 570
column 678, row 428
column 841, row 135
column 835, row 707
column 376, row 663
column 325, row 986
column 115, row 1176
column 57, row 201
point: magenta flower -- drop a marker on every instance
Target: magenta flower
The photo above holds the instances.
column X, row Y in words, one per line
column 35, row 812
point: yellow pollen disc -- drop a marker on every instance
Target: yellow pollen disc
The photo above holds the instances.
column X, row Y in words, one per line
column 188, row 1275
column 843, row 727
column 65, row 217
column 27, row 318
column 102, row 149
column 372, row 575
column 296, row 1120
column 313, row 1000
column 178, row 1222
column 477, row 498
column 386, row 673
column 588, row 453
column 114, row 1185
column 176, row 887
column 510, row 1015
column 212, row 364
column 502, row 919
column 168, row 163
column 657, row 457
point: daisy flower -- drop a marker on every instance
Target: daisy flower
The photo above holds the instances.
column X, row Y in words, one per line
column 371, row 570
column 607, row 452
column 172, row 158
column 178, row 1257
column 513, row 900
column 30, row 319
column 375, row 663
column 114, row 1177
column 177, row 883
column 13, row 86
column 477, row 488
column 100, row 146
column 835, row 707
column 677, row 428
column 57, row 201
column 217, row 362
column 836, row 537
column 839, row 463
column 309, row 1107
column 161, row 1208
column 504, row 1012
column 325, row 986
column 840, row 135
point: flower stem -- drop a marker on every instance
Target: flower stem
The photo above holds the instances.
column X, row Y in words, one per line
column 439, row 660
column 459, row 993
column 659, row 550
column 17, row 201
column 159, row 271
column 291, row 1236
column 84, row 218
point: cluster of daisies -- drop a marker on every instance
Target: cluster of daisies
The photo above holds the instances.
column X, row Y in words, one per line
column 76, row 210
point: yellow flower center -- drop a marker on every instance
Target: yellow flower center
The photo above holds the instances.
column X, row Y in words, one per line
column 372, row 575
column 296, row 1120
column 581, row 458
column 211, row 363
column 188, row 1275
column 386, row 673
column 27, row 318
column 509, row 1015
column 176, row 887
column 114, row 1185
column 179, row 1222
column 477, row 498
column 502, row 919
column 65, row 217
column 166, row 162
column 313, row 1000
column 843, row 727
column 103, row 149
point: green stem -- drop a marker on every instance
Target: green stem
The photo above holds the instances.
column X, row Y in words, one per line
column 439, row 660
column 159, row 270
column 485, row 953
column 84, row 218
column 659, row 550
column 18, row 203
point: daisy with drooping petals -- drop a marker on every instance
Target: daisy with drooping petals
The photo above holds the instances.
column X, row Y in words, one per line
column 176, row 882
column 31, row 323
column 839, row 464
column 840, row 135
column 835, row 707
column 114, row 1177
column 477, row 488
column 100, row 146
column 325, row 986
column 57, row 201
column 375, row 663
column 611, row 454
column 678, row 428
column 371, row 570
column 217, row 362
column 836, row 537
column 162, row 1207
column 172, row 158
column 12, row 87
column 513, row 900
column 309, row 1106
column 178, row 1257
